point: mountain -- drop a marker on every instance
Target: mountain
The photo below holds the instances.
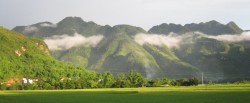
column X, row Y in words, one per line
column 167, row 28
column 23, row 57
column 219, row 60
column 68, row 26
column 116, row 52
column 211, row 28
column 183, row 54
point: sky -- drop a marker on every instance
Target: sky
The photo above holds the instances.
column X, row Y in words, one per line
column 142, row 13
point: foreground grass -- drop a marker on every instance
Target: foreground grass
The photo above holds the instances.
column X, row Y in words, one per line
column 198, row 94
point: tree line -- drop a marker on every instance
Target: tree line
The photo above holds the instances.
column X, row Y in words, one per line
column 99, row 80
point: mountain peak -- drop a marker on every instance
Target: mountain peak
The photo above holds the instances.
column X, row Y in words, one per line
column 44, row 24
column 214, row 28
column 72, row 19
column 165, row 28
column 231, row 23
column 130, row 30
column 234, row 27
column 213, row 22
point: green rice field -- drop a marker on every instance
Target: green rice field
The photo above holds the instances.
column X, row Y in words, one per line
column 230, row 93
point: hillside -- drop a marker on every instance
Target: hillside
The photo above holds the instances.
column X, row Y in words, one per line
column 23, row 57
column 166, row 50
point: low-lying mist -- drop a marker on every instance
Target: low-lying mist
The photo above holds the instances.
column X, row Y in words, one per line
column 62, row 42
column 245, row 36
column 48, row 25
column 173, row 40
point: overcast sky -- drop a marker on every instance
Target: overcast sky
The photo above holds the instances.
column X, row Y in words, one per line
column 143, row 13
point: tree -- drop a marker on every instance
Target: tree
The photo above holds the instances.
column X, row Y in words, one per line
column 154, row 83
column 3, row 86
column 139, row 80
column 52, row 81
column 46, row 86
column 70, row 84
column 193, row 81
column 165, row 81
column 120, row 82
column 108, row 79
column 78, row 84
column 28, row 86
column 130, row 78
column 62, row 85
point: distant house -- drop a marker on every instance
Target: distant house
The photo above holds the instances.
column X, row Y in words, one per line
column 30, row 81
column 25, row 81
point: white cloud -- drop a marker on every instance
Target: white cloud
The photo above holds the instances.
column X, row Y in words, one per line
column 61, row 42
column 171, row 40
column 155, row 39
column 48, row 25
column 245, row 36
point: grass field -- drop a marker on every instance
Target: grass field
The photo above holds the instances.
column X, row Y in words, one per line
column 197, row 94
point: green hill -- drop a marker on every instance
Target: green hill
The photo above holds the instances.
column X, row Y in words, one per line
column 217, row 59
column 23, row 57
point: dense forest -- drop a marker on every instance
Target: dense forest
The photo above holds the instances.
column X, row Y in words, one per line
column 97, row 80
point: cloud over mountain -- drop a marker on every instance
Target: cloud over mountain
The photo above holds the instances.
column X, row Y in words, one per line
column 170, row 50
column 172, row 40
column 48, row 25
column 245, row 36
column 61, row 42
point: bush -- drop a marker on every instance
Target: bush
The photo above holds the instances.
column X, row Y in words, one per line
column 193, row 81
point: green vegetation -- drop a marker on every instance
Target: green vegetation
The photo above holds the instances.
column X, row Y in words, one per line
column 23, row 57
column 118, row 52
column 220, row 60
column 96, row 80
column 200, row 94
column 133, row 68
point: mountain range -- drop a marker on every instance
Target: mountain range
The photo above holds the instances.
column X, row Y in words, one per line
column 166, row 50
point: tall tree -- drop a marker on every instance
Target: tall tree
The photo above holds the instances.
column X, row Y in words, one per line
column 108, row 79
